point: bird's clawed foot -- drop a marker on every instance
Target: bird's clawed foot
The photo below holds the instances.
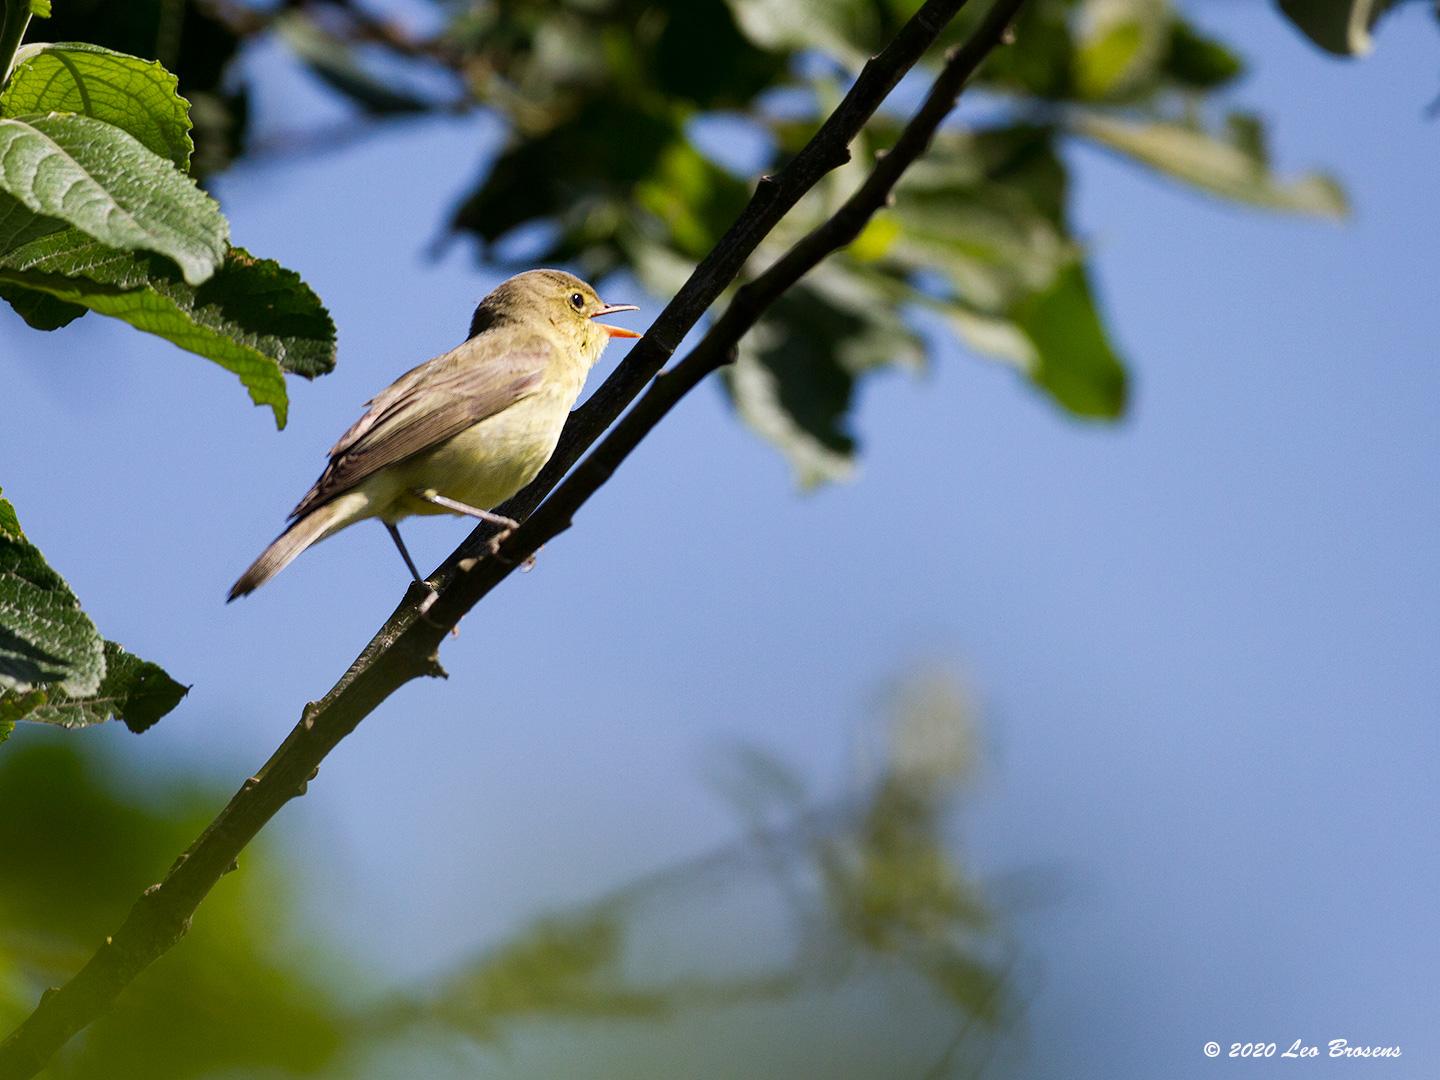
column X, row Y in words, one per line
column 493, row 546
column 424, row 610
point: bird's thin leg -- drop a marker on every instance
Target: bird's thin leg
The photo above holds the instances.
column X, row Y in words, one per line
column 470, row 511
column 429, row 601
column 404, row 553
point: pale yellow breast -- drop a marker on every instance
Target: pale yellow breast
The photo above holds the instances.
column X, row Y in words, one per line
column 489, row 462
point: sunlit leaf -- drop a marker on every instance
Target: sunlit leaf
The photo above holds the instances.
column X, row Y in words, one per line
column 1056, row 338
column 1123, row 45
column 108, row 185
column 987, row 212
column 137, row 95
column 1073, row 359
column 1229, row 167
column 693, row 197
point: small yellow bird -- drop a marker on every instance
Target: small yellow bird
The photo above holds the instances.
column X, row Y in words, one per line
column 463, row 432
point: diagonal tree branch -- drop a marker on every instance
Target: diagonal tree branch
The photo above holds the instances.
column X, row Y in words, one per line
column 775, row 196
column 406, row 647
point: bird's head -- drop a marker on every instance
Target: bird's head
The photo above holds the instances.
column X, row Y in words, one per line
column 562, row 300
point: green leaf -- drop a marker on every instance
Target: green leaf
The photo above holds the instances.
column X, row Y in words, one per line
column 1198, row 62
column 134, row 691
column 104, row 182
column 41, row 310
column 1073, row 359
column 846, row 29
column 1043, row 62
column 1340, row 26
column 692, row 198
column 54, row 666
column 46, row 640
column 987, row 211
column 15, row 705
column 40, row 8
column 1230, row 168
column 253, row 318
column 136, row 95
column 1124, row 44
column 572, row 175
column 794, row 379
column 1056, row 338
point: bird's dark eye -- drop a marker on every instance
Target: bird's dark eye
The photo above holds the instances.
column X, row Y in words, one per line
column 577, row 301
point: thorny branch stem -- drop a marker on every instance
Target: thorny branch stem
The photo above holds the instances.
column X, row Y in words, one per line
column 406, row 647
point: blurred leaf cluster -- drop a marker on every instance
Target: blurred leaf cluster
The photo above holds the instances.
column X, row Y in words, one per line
column 79, row 841
column 636, row 128
column 863, row 893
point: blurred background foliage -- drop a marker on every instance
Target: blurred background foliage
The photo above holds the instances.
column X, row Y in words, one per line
column 636, row 129
column 817, row 902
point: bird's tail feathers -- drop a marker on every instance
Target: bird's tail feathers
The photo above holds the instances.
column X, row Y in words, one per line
column 316, row 525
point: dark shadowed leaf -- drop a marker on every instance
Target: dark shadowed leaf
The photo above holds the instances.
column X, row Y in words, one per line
column 1340, row 26
column 54, row 667
column 134, row 691
column 702, row 57
column 794, row 379
column 46, row 640
column 1044, row 66
column 136, row 95
column 41, row 310
column 1199, row 62
column 254, row 317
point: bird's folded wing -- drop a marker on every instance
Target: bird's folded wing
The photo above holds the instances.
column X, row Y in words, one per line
column 428, row 405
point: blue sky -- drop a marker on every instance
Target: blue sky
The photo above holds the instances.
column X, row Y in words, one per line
column 1203, row 640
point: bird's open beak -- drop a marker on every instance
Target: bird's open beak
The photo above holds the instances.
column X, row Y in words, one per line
column 615, row 331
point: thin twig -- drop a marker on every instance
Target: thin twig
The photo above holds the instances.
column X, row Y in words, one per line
column 406, row 647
